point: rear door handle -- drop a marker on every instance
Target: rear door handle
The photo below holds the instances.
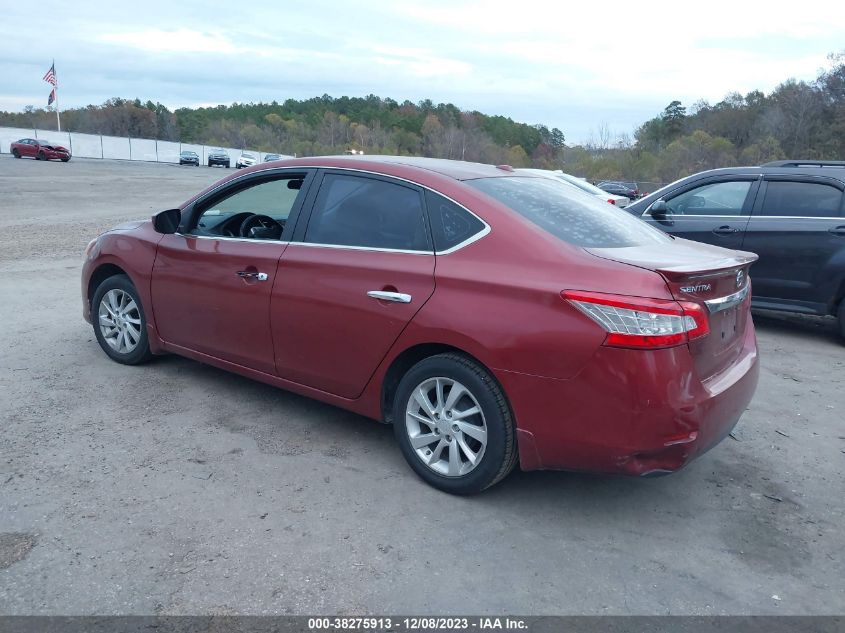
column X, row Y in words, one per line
column 725, row 230
column 381, row 295
column 837, row 230
column 250, row 274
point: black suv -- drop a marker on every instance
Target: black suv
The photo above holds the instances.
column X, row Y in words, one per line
column 789, row 212
column 219, row 157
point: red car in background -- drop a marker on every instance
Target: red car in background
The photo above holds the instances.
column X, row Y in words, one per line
column 492, row 317
column 39, row 149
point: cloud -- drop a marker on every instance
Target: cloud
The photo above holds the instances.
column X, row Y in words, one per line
column 173, row 41
column 565, row 65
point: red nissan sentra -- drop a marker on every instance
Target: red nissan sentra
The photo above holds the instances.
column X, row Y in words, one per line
column 491, row 317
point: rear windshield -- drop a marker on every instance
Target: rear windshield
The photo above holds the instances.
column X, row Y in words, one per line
column 568, row 214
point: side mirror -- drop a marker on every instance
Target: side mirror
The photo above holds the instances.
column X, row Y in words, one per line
column 661, row 212
column 167, row 221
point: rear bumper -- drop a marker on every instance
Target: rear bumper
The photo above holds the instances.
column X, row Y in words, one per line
column 629, row 411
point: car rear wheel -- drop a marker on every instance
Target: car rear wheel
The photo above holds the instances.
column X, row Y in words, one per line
column 454, row 425
column 16, row 153
column 119, row 322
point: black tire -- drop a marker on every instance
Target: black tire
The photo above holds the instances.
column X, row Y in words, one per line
column 16, row 153
column 209, row 163
column 141, row 352
column 228, row 165
column 64, row 160
column 500, row 454
column 41, row 156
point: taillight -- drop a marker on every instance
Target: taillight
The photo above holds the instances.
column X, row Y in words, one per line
column 611, row 201
column 641, row 323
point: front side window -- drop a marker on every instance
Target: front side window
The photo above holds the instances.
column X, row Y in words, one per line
column 365, row 212
column 802, row 199
column 716, row 198
column 259, row 211
column 568, row 214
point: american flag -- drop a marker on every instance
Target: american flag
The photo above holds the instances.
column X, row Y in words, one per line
column 52, row 97
column 50, row 77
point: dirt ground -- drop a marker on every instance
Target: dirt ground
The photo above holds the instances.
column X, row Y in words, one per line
column 178, row 488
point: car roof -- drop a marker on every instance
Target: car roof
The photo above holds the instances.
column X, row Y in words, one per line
column 457, row 169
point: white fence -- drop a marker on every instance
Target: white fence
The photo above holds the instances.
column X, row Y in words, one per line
column 119, row 148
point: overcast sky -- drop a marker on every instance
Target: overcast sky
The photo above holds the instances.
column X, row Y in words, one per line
column 572, row 67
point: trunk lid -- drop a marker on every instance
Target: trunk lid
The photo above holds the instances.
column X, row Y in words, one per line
column 714, row 277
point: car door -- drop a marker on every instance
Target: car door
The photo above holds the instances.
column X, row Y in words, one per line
column 350, row 281
column 212, row 281
column 714, row 211
column 797, row 229
column 29, row 148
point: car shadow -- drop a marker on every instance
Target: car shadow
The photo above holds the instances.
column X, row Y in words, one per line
column 802, row 325
column 284, row 423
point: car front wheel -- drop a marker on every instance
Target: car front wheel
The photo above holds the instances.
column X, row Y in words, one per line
column 454, row 425
column 119, row 322
column 41, row 156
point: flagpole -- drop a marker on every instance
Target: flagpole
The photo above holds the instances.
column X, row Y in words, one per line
column 56, row 88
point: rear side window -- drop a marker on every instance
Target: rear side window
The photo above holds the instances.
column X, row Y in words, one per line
column 715, row 198
column 569, row 214
column 365, row 212
column 450, row 224
column 803, row 199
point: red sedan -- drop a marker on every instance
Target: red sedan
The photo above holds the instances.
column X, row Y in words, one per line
column 39, row 149
column 491, row 317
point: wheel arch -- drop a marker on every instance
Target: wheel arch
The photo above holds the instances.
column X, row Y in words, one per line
column 410, row 357
column 100, row 274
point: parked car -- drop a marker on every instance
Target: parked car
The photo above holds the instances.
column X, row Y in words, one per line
column 583, row 185
column 188, row 157
column 630, row 190
column 491, row 317
column 219, row 157
column 246, row 160
column 269, row 157
column 788, row 212
column 39, row 149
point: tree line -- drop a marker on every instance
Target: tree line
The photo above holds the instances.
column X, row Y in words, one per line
column 798, row 119
column 321, row 125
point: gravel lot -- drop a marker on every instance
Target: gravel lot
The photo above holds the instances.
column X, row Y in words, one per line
column 178, row 488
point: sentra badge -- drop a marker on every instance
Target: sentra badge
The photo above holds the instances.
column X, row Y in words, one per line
column 698, row 288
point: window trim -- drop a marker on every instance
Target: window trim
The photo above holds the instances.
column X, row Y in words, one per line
column 806, row 179
column 299, row 235
column 308, row 207
column 308, row 200
column 750, row 202
column 192, row 212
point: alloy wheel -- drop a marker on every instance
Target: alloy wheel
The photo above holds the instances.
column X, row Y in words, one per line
column 120, row 321
column 446, row 426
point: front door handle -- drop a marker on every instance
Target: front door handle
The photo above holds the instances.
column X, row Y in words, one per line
column 725, row 230
column 381, row 295
column 837, row 230
column 251, row 274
